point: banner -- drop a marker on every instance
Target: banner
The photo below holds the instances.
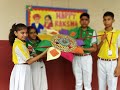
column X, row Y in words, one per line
column 49, row 17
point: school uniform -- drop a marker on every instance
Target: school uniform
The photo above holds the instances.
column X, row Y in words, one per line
column 107, row 60
column 82, row 64
column 38, row 69
column 20, row 78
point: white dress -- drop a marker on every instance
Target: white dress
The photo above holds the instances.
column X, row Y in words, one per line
column 21, row 76
column 38, row 73
column 39, row 76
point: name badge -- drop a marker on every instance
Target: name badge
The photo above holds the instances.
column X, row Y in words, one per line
column 110, row 52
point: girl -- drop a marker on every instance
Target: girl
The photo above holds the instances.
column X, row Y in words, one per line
column 21, row 76
column 38, row 68
column 48, row 22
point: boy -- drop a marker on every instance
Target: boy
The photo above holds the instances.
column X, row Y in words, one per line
column 108, row 56
column 36, row 24
column 82, row 64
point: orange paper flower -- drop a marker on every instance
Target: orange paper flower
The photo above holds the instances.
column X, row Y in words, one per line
column 72, row 34
column 78, row 50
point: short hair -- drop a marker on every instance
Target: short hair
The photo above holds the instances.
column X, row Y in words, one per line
column 36, row 15
column 84, row 14
column 108, row 13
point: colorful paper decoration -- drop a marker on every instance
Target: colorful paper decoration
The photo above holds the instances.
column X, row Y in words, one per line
column 53, row 53
column 63, row 31
column 63, row 43
column 78, row 50
column 43, row 45
column 60, row 45
column 47, row 34
column 67, row 55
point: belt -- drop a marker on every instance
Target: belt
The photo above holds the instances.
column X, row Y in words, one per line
column 107, row 59
column 82, row 54
column 24, row 63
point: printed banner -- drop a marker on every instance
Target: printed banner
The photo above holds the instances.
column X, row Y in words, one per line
column 56, row 18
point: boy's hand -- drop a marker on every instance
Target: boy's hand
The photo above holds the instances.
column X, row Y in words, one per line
column 83, row 48
column 104, row 36
column 117, row 71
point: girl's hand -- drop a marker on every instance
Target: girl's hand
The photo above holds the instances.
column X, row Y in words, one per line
column 117, row 71
column 34, row 55
column 30, row 48
column 45, row 52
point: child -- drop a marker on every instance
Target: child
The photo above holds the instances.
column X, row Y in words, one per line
column 21, row 76
column 48, row 22
column 109, row 54
column 37, row 24
column 38, row 67
column 82, row 64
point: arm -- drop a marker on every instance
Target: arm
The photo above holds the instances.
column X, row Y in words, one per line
column 43, row 57
column 93, row 48
column 102, row 41
column 117, row 70
column 37, row 57
column 100, row 44
column 23, row 53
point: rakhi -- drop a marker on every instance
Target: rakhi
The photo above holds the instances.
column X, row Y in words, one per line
column 61, row 45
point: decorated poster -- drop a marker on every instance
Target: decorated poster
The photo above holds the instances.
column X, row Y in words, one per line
column 49, row 17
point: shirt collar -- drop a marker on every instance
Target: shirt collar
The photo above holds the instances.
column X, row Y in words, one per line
column 19, row 41
column 111, row 31
column 88, row 28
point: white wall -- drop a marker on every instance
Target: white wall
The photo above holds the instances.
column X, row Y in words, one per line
column 12, row 11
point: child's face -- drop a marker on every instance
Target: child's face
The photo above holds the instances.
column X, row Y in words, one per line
column 47, row 20
column 84, row 21
column 108, row 20
column 32, row 34
column 22, row 34
column 37, row 19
